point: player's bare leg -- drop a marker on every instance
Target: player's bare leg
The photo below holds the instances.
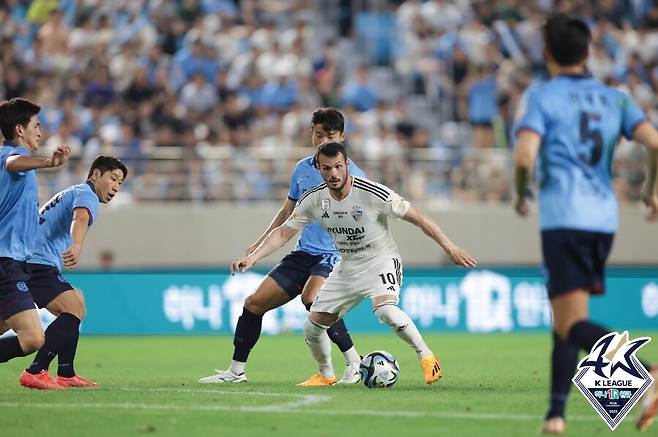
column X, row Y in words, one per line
column 648, row 404
column 337, row 333
column 30, row 337
column 318, row 343
column 268, row 295
column 387, row 311
column 62, row 341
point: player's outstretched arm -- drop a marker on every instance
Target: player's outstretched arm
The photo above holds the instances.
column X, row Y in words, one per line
column 17, row 163
column 274, row 241
column 525, row 153
column 458, row 255
column 79, row 227
column 647, row 135
column 279, row 219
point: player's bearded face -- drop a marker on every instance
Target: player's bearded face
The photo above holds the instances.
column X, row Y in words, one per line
column 334, row 171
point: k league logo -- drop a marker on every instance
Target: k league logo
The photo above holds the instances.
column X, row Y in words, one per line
column 611, row 377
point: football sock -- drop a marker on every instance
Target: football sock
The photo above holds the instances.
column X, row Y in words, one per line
column 320, row 347
column 66, row 354
column 237, row 367
column 62, row 334
column 404, row 327
column 247, row 332
column 564, row 360
column 340, row 336
column 585, row 334
column 10, row 348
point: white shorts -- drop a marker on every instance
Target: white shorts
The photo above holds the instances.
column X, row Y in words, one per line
column 344, row 290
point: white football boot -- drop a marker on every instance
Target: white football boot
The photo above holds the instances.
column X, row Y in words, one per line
column 223, row 377
column 351, row 374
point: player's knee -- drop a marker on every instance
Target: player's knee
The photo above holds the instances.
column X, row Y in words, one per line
column 392, row 316
column 31, row 340
column 255, row 305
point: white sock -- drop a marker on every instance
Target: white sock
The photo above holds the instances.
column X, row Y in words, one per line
column 320, row 346
column 404, row 327
column 351, row 356
column 237, row 368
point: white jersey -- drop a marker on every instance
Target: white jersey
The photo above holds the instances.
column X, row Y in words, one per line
column 358, row 224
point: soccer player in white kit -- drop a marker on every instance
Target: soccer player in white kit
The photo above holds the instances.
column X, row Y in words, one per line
column 355, row 213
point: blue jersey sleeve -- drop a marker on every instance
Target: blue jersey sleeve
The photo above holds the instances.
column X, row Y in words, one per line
column 632, row 115
column 88, row 200
column 294, row 191
column 16, row 151
column 355, row 170
column 529, row 114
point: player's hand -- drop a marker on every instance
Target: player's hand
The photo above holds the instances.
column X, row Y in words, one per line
column 460, row 257
column 71, row 255
column 651, row 201
column 242, row 264
column 521, row 206
column 60, row 156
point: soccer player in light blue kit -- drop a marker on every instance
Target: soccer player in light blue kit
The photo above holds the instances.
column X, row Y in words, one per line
column 572, row 124
column 19, row 218
column 63, row 224
column 303, row 271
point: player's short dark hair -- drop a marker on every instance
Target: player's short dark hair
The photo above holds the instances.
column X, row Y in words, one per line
column 108, row 163
column 566, row 39
column 14, row 112
column 329, row 118
column 330, row 149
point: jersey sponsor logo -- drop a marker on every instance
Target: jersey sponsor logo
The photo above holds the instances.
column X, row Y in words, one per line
column 346, row 231
column 611, row 378
column 22, row 286
column 325, row 204
column 357, row 213
column 325, row 215
column 340, row 214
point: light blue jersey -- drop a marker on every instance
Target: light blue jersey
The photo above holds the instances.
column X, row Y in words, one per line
column 55, row 217
column 314, row 239
column 19, row 207
column 580, row 121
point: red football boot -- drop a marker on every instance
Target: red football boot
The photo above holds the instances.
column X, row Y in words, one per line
column 40, row 381
column 76, row 381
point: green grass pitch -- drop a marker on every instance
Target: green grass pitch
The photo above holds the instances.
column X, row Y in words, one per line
column 495, row 385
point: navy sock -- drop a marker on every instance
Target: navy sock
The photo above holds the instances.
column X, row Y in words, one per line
column 340, row 336
column 246, row 336
column 66, row 354
column 585, row 334
column 60, row 333
column 564, row 360
column 10, row 348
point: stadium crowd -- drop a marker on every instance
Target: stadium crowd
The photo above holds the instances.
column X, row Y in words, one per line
column 210, row 100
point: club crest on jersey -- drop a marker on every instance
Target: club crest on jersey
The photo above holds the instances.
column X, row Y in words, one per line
column 357, row 213
column 611, row 378
column 325, row 204
column 22, row 286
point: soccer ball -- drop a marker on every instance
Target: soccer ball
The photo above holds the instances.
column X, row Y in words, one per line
column 379, row 369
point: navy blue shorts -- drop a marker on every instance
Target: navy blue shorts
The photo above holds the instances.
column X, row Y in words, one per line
column 46, row 283
column 574, row 260
column 15, row 295
column 294, row 270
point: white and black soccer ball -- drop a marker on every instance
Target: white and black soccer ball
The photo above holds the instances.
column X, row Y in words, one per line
column 379, row 369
